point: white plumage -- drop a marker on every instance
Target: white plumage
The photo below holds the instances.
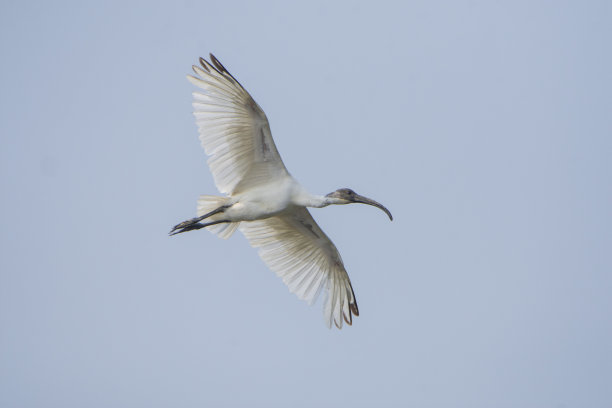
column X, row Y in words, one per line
column 263, row 200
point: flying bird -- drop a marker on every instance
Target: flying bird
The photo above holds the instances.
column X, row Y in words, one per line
column 262, row 199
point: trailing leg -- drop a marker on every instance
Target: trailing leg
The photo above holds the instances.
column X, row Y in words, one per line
column 195, row 220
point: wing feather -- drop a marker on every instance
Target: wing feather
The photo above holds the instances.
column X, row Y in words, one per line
column 234, row 130
column 299, row 252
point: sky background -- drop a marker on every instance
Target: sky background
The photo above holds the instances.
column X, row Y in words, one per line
column 485, row 127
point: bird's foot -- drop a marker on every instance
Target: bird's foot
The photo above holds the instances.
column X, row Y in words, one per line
column 185, row 224
column 191, row 225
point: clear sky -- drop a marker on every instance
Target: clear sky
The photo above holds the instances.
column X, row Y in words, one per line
column 485, row 127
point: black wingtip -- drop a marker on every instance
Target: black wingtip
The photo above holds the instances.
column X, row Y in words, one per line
column 354, row 308
column 216, row 63
column 204, row 64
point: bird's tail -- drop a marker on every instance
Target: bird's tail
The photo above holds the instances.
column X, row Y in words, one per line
column 207, row 204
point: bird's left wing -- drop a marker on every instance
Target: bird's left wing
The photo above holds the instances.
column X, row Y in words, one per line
column 234, row 130
column 298, row 251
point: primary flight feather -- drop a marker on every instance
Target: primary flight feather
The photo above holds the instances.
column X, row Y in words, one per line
column 262, row 199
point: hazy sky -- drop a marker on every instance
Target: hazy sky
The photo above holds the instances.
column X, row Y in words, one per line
column 485, row 127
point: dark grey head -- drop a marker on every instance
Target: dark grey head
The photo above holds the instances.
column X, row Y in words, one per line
column 348, row 196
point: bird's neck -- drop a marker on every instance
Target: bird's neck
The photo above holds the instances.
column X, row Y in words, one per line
column 301, row 197
column 317, row 201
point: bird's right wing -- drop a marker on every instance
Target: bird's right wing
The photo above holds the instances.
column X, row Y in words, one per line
column 298, row 251
column 234, row 131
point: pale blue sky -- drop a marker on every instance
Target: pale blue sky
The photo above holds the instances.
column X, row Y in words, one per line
column 485, row 127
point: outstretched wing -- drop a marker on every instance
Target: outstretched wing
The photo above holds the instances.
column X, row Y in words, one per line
column 234, row 131
column 297, row 250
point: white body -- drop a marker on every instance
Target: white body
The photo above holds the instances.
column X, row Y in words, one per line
column 270, row 199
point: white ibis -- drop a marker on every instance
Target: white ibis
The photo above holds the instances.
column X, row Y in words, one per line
column 262, row 199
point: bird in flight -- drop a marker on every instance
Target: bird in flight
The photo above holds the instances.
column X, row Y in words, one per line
column 262, row 199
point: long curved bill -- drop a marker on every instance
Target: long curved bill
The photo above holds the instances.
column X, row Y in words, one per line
column 365, row 200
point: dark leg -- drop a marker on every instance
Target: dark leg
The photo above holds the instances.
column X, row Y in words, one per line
column 195, row 226
column 193, row 221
